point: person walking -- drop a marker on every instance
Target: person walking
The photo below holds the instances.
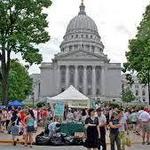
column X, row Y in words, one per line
column 144, row 118
column 14, row 129
column 92, row 131
column 114, row 131
column 29, row 120
column 102, row 124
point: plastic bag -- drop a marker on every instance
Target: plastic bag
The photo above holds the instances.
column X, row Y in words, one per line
column 42, row 140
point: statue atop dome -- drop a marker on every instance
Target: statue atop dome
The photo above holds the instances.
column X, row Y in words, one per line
column 82, row 8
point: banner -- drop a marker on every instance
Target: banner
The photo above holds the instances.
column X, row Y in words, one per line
column 59, row 109
column 79, row 104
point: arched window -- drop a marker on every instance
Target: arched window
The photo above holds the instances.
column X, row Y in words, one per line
column 87, row 36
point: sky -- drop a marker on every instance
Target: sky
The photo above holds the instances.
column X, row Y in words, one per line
column 117, row 22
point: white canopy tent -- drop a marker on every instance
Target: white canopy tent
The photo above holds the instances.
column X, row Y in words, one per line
column 72, row 97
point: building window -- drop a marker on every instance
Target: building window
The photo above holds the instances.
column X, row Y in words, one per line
column 71, row 73
column 97, row 92
column 70, row 48
column 137, row 93
column 81, row 35
column 88, row 47
column 91, row 36
column 80, row 90
column 62, row 49
column 144, row 99
column 89, row 75
column 80, row 75
column 89, row 92
column 76, row 35
column 63, row 89
column 98, row 75
column 87, row 36
column 93, row 48
column 63, row 74
column 136, row 86
column 76, row 47
column 82, row 46
column 143, row 92
column 72, row 36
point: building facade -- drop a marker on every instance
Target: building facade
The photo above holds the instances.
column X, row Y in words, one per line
column 81, row 63
column 139, row 90
column 35, row 96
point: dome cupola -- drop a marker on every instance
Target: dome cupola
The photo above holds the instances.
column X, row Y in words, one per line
column 82, row 33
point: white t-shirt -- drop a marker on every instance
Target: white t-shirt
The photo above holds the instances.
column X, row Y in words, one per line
column 102, row 119
column 144, row 116
column 122, row 122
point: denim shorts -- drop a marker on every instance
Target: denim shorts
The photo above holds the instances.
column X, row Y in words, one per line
column 30, row 129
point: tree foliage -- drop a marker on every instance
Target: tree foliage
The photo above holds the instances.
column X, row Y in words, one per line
column 127, row 95
column 22, row 27
column 20, row 83
column 138, row 56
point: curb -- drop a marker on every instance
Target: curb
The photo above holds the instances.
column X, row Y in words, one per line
column 22, row 142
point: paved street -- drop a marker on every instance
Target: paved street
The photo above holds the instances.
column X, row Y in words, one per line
column 20, row 147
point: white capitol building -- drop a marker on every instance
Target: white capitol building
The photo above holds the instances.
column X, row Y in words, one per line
column 81, row 63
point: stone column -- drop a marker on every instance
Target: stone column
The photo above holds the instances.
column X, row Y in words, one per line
column 93, row 81
column 67, row 76
column 76, row 77
column 103, row 81
column 85, row 80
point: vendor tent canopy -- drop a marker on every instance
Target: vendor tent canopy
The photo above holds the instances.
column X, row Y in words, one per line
column 15, row 103
column 72, row 97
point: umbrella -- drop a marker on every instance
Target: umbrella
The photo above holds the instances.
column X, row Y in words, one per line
column 15, row 103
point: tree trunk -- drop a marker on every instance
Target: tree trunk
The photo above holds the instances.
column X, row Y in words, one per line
column 148, row 87
column 5, row 66
column 5, row 92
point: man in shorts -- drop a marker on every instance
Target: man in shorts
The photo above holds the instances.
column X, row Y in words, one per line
column 144, row 118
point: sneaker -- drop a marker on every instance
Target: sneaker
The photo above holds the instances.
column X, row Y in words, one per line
column 148, row 143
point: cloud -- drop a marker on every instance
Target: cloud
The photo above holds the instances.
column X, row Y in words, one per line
column 117, row 21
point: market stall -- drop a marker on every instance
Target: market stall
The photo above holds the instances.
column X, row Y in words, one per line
column 71, row 97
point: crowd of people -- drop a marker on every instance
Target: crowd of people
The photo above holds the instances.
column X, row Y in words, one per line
column 117, row 121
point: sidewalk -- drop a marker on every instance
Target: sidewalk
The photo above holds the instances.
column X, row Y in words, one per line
column 6, row 138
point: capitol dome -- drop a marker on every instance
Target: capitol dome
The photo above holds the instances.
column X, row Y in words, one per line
column 82, row 33
column 82, row 22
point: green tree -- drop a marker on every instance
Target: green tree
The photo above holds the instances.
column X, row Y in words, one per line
column 20, row 83
column 22, row 27
column 127, row 95
column 138, row 56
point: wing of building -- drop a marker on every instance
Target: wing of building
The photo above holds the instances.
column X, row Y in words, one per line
column 81, row 63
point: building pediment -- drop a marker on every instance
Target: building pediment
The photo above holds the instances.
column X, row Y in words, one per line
column 81, row 55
